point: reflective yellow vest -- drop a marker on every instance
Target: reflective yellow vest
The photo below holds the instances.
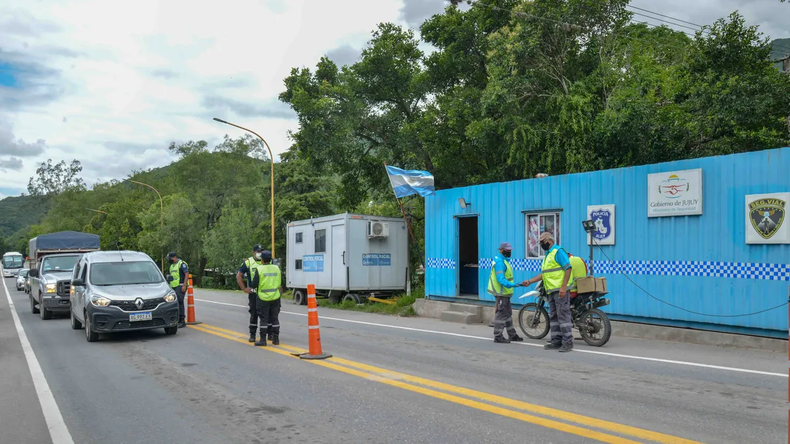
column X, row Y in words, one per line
column 250, row 262
column 176, row 273
column 579, row 271
column 269, row 280
column 494, row 288
column 553, row 274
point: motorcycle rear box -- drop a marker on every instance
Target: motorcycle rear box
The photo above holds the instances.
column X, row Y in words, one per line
column 591, row 284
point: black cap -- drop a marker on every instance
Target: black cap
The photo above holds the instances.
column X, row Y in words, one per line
column 266, row 255
column 257, row 248
column 171, row 255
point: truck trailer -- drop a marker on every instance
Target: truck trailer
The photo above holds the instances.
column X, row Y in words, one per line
column 347, row 256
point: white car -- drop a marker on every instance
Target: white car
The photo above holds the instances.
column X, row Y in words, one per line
column 21, row 278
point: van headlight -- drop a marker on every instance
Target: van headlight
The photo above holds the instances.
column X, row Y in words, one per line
column 170, row 297
column 100, row 301
column 51, row 288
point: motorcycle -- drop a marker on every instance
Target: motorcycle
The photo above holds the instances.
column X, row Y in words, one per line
column 592, row 323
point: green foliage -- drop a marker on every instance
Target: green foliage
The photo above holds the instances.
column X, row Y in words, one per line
column 54, row 179
column 18, row 213
column 230, row 241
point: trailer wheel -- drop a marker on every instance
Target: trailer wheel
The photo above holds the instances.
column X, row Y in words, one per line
column 300, row 296
column 351, row 297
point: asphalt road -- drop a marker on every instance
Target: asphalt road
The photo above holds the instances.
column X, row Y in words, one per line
column 405, row 380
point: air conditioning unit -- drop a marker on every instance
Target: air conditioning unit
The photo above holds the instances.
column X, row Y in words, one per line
column 378, row 230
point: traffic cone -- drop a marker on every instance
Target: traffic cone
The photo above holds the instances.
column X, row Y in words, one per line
column 191, row 304
column 314, row 334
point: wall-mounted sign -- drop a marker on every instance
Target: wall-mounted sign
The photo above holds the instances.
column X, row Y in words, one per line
column 603, row 217
column 376, row 260
column 674, row 193
column 313, row 263
column 765, row 219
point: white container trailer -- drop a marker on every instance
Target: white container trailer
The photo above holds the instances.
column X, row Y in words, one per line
column 347, row 256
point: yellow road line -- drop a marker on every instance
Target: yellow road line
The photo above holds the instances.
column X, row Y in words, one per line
column 396, row 379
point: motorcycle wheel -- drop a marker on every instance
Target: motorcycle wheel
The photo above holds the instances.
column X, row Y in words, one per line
column 533, row 321
column 594, row 327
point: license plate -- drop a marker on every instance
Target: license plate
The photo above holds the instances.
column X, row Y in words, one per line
column 134, row 317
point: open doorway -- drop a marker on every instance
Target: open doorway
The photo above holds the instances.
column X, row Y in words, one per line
column 468, row 270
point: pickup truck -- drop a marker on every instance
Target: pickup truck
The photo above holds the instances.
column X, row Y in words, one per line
column 52, row 260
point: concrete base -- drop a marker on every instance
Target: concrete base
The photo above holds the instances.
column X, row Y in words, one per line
column 436, row 309
column 463, row 313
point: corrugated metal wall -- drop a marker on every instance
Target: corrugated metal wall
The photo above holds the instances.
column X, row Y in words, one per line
column 700, row 263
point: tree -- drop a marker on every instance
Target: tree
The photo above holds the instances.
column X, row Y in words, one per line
column 54, row 179
column 230, row 241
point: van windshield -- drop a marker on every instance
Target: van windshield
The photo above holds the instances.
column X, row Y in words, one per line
column 125, row 273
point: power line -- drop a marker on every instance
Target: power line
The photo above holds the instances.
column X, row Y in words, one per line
column 666, row 16
column 665, row 21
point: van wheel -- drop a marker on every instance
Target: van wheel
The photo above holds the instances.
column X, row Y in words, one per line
column 33, row 308
column 351, row 297
column 75, row 324
column 90, row 335
column 170, row 331
column 300, row 296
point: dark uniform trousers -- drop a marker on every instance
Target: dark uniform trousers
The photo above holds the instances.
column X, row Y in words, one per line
column 253, row 311
column 269, row 313
column 182, row 313
column 503, row 317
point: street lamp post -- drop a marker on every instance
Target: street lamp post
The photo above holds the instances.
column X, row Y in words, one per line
column 271, row 175
column 161, row 215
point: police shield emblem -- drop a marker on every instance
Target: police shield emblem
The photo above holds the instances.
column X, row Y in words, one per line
column 767, row 215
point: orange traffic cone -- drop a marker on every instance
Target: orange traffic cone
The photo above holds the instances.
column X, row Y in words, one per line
column 314, row 334
column 191, row 304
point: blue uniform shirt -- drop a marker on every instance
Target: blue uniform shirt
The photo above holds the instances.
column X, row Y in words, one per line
column 500, row 268
column 561, row 257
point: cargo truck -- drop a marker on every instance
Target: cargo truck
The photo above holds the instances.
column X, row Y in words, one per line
column 52, row 260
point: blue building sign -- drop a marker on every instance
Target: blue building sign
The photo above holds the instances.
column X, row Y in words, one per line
column 376, row 260
column 313, row 263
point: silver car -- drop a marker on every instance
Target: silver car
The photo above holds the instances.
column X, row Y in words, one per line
column 21, row 277
column 114, row 291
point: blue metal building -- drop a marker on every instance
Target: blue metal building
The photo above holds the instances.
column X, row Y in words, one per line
column 699, row 263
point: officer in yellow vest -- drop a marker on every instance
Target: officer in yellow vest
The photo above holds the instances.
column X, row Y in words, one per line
column 178, row 278
column 266, row 280
column 501, row 285
column 245, row 283
column 556, row 274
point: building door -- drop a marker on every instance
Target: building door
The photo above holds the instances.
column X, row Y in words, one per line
column 339, row 259
column 468, row 257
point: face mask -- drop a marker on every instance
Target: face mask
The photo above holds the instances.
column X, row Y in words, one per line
column 258, row 256
column 545, row 245
column 506, row 253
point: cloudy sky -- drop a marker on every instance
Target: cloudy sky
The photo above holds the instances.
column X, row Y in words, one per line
column 112, row 83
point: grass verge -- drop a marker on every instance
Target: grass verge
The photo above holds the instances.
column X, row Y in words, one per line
column 402, row 306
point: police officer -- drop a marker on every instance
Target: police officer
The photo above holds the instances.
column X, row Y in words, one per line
column 501, row 285
column 266, row 280
column 178, row 278
column 556, row 274
column 245, row 283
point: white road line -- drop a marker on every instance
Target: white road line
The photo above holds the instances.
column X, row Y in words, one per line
column 592, row 352
column 57, row 427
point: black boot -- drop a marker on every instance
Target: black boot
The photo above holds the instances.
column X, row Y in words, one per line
column 252, row 337
column 501, row 340
column 276, row 339
column 516, row 338
column 262, row 342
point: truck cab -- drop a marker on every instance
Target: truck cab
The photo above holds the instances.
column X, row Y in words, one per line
column 50, row 284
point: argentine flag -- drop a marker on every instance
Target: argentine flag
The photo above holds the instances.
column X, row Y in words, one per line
column 407, row 182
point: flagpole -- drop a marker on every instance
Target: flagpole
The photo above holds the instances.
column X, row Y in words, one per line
column 408, row 225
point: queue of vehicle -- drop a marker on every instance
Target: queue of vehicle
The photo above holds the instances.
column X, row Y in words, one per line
column 102, row 291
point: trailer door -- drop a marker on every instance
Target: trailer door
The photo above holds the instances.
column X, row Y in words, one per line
column 339, row 257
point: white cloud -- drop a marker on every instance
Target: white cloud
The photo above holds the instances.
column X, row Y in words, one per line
column 113, row 83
